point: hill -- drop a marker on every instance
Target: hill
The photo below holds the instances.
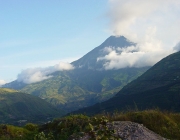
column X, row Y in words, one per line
column 148, row 124
column 16, row 106
column 87, row 84
column 157, row 87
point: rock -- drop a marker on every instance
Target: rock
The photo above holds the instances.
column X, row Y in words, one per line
column 127, row 130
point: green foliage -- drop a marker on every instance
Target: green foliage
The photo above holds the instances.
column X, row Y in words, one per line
column 157, row 87
column 98, row 130
column 164, row 123
column 9, row 132
column 71, row 90
column 16, row 106
column 72, row 124
column 75, row 126
column 42, row 136
column 7, row 90
column 31, row 127
column 165, row 72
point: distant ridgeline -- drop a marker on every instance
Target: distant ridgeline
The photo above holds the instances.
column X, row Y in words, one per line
column 90, row 60
column 88, row 83
column 158, row 87
column 17, row 106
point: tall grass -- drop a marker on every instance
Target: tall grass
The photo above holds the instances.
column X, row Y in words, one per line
column 166, row 124
column 10, row 132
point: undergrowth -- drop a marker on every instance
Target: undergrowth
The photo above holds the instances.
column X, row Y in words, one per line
column 166, row 124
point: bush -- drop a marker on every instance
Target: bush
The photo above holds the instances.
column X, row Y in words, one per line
column 31, row 127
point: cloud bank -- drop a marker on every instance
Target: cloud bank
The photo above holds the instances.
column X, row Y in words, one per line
column 2, row 82
column 131, row 56
column 153, row 25
column 177, row 47
column 33, row 75
column 132, row 18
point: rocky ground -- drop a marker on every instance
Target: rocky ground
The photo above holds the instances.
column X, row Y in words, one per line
column 126, row 130
column 133, row 131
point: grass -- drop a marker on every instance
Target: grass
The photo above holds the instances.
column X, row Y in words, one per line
column 7, row 90
column 10, row 132
column 166, row 124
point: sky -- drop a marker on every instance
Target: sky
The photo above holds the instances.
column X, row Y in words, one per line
column 40, row 37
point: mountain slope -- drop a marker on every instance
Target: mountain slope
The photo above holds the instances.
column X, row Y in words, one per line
column 16, row 106
column 158, row 87
column 71, row 90
column 165, row 72
column 89, row 61
column 87, row 84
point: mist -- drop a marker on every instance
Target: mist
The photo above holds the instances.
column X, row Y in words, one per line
column 33, row 75
column 2, row 82
column 153, row 25
column 177, row 47
column 131, row 56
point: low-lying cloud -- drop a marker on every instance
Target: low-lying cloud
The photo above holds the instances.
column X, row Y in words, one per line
column 131, row 56
column 2, row 82
column 177, row 47
column 33, row 75
column 153, row 25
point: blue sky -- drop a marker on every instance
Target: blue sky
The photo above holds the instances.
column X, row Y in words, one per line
column 39, row 33
column 42, row 33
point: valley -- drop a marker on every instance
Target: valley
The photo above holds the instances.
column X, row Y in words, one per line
column 18, row 107
column 158, row 87
column 87, row 101
column 88, row 83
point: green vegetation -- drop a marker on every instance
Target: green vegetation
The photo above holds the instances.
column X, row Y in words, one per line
column 165, row 124
column 10, row 132
column 157, row 87
column 87, row 84
column 7, row 90
column 17, row 107
column 165, row 72
column 71, row 90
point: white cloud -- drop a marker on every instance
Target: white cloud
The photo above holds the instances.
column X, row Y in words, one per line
column 132, row 18
column 153, row 25
column 129, row 57
column 63, row 66
column 2, row 82
column 33, row 75
column 177, row 47
column 146, row 53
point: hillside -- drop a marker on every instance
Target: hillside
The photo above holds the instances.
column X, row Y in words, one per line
column 142, row 125
column 158, row 87
column 87, row 84
column 164, row 73
column 15, row 106
column 89, row 61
